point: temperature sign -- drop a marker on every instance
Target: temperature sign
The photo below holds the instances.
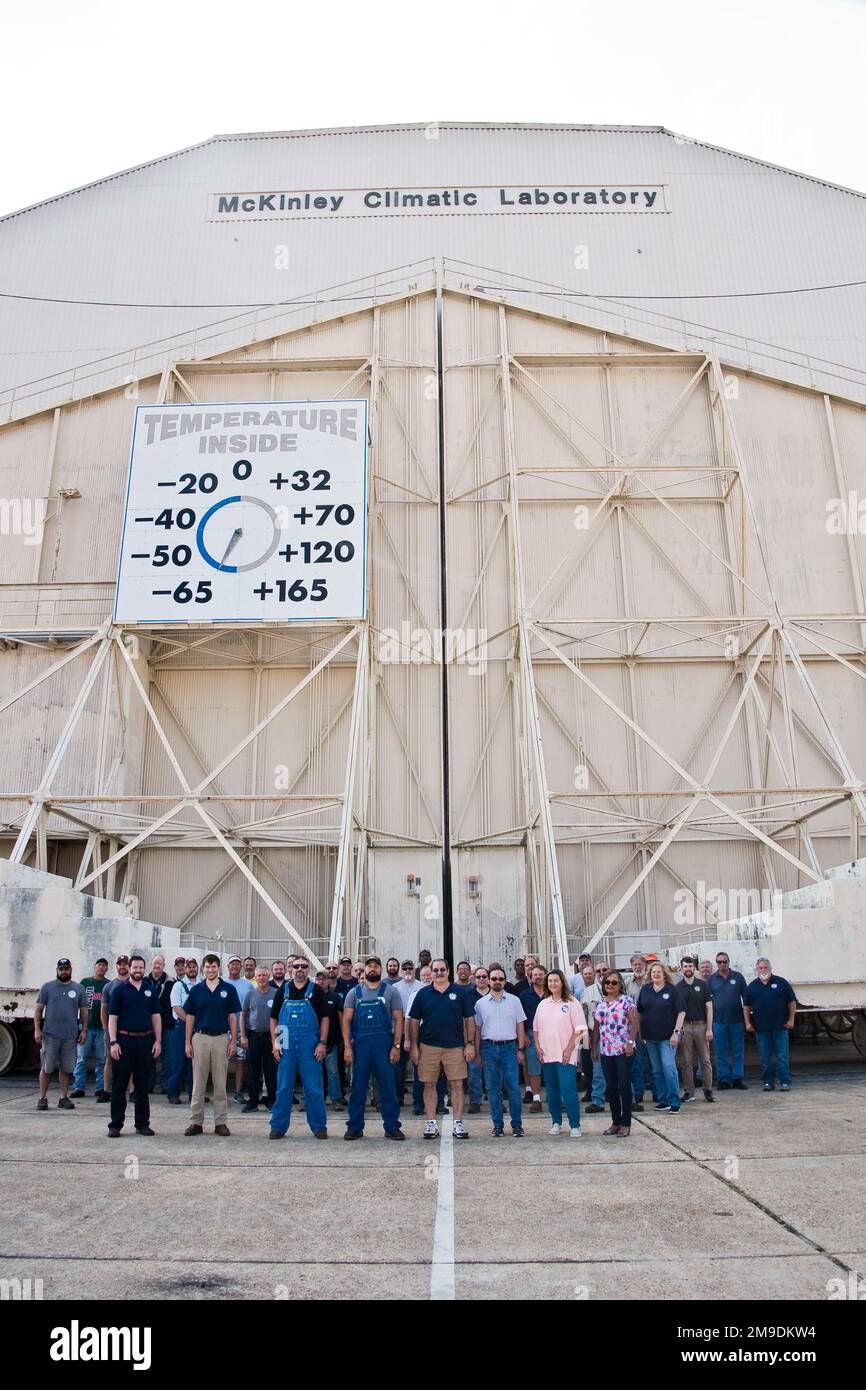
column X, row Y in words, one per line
column 246, row 512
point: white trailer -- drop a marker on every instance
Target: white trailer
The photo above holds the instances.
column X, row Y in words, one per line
column 816, row 938
column 42, row 918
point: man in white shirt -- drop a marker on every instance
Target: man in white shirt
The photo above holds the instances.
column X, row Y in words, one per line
column 592, row 995
column 407, row 987
column 180, row 1075
column 576, row 983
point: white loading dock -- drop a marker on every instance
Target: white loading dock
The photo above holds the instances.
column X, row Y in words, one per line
column 656, row 681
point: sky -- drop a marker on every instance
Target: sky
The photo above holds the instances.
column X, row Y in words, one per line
column 94, row 87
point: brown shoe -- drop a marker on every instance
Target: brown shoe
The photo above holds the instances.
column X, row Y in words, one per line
column 611, row 1129
column 223, row 1130
column 320, row 1134
column 623, row 1132
column 194, row 1129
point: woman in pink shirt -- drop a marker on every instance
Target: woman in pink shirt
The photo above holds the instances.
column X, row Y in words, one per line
column 558, row 1027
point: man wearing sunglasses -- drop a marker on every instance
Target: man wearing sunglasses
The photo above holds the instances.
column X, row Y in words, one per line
column 730, row 1016
column 300, row 1022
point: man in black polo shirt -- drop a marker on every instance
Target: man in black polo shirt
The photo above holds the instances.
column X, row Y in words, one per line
column 211, row 1009
column 771, row 1007
column 697, row 1030
column 135, row 1035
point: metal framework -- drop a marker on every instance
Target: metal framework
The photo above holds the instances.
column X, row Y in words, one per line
column 768, row 701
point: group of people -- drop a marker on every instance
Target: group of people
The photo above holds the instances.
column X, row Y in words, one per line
column 359, row 1034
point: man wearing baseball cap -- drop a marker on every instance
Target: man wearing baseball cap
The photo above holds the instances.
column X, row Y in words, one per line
column 345, row 978
column 59, row 1025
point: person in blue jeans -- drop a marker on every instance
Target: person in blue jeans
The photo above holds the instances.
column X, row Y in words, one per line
column 559, row 1030
column 662, row 1013
column 299, row 1031
column 500, row 1036
column 372, row 1038
column 771, row 1006
column 177, row 1066
column 479, row 988
column 95, row 1040
column 728, row 988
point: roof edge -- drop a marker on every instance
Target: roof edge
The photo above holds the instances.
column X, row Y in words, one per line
column 385, row 129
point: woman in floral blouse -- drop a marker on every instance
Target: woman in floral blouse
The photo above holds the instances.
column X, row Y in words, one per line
column 613, row 1033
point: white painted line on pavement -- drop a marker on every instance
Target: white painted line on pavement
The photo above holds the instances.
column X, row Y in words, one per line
column 442, row 1268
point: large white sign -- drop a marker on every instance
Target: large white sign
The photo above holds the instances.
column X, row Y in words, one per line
column 300, row 203
column 245, row 512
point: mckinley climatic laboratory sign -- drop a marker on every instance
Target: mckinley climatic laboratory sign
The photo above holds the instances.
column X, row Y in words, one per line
column 285, row 204
column 245, row 512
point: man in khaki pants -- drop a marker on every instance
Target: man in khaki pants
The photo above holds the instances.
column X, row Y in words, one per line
column 212, row 1008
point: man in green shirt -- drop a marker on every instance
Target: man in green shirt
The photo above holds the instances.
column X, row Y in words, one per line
column 95, row 1040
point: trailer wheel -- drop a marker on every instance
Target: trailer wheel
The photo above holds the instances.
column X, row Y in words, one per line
column 8, row 1048
column 858, row 1034
column 838, row 1025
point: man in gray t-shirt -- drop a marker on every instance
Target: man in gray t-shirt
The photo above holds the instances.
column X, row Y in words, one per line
column 372, row 1037
column 59, row 1024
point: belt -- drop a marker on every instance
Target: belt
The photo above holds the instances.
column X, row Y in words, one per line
column 499, row 1042
column 214, row 1032
column 125, row 1034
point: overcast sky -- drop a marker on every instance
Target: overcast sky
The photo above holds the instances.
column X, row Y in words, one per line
column 96, row 86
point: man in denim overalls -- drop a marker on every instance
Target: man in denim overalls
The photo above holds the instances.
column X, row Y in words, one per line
column 299, row 1034
column 372, row 1037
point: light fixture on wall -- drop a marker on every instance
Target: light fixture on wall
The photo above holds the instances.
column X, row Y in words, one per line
column 413, row 886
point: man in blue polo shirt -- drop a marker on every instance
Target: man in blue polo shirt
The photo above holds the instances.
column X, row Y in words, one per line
column 442, row 1028
column 211, row 1009
column 135, row 1035
column 728, row 988
column 770, row 1008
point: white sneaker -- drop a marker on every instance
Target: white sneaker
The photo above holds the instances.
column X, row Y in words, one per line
column 431, row 1130
column 555, row 1129
column 575, row 1133
column 460, row 1131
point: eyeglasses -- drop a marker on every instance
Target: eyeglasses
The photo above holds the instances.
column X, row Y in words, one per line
column 440, row 971
column 608, row 984
column 497, row 979
column 722, row 960
column 482, row 975
column 300, row 965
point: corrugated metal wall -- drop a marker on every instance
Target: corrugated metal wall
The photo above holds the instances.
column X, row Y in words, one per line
column 656, row 562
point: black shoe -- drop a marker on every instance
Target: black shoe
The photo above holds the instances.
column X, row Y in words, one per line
column 708, row 1095
column 354, row 1134
column 594, row 1109
column 394, row 1134
column 417, row 1109
column 724, row 1085
column 475, row 1108
column 145, row 1133
column 518, row 1132
column 497, row 1131
column 42, row 1103
column 687, row 1095
column 65, row 1103
column 739, row 1085
column 441, row 1110
column 76, row 1095
column 661, row 1106
column 249, row 1108
column 102, row 1097
column 174, row 1100
column 637, row 1108
column 113, row 1132
column 768, row 1086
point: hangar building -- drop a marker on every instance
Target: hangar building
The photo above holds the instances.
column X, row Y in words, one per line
column 603, row 678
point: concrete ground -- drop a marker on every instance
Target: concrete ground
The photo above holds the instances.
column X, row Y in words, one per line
column 758, row 1196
